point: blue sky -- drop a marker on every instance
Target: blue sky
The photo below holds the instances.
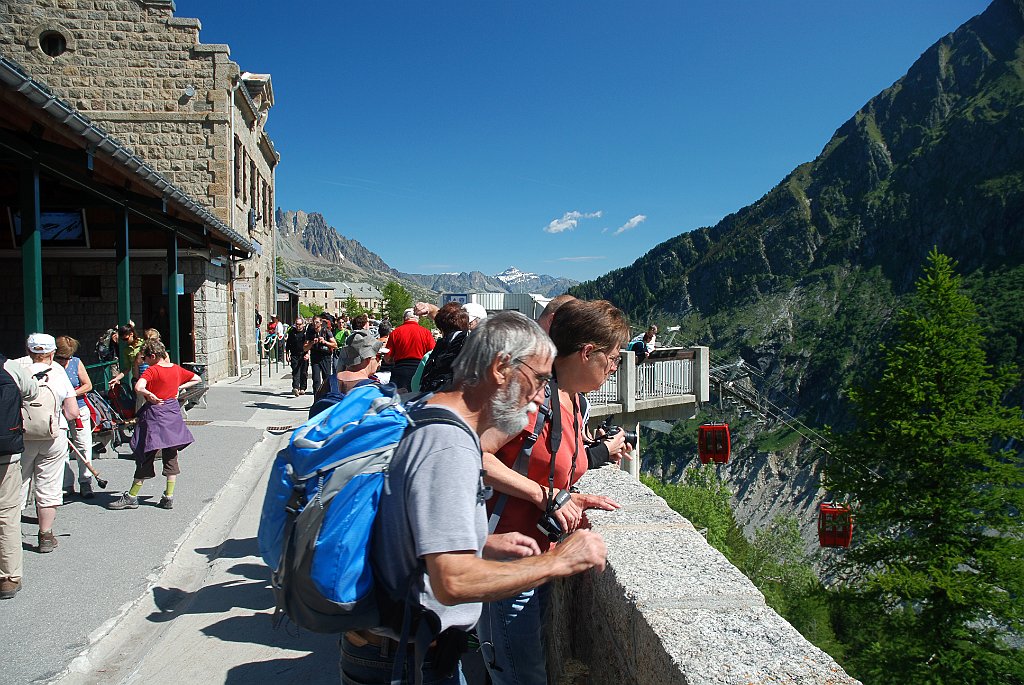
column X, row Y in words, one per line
column 566, row 138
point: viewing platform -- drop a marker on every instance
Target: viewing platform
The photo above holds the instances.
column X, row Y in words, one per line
column 667, row 386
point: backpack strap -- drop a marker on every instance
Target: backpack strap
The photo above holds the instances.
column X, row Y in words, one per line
column 522, row 462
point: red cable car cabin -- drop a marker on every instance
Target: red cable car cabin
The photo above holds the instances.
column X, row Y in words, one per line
column 835, row 525
column 713, row 444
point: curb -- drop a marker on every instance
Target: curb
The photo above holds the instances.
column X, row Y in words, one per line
column 120, row 645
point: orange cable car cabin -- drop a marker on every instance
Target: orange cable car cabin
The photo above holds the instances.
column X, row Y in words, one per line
column 713, row 444
column 835, row 525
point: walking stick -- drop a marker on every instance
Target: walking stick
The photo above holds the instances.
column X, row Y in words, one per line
column 88, row 464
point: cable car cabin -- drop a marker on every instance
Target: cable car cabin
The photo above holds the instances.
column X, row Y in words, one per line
column 835, row 525
column 713, row 444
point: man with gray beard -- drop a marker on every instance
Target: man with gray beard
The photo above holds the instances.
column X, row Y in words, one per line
column 431, row 531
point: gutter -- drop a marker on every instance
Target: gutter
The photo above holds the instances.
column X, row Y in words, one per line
column 13, row 76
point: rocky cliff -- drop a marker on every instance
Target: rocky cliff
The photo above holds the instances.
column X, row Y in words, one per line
column 802, row 283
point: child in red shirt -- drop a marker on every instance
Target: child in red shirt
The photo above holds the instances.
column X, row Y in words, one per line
column 160, row 426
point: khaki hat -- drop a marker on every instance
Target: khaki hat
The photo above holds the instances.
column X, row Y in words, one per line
column 359, row 347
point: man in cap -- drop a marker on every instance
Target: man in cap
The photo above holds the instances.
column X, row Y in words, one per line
column 360, row 359
column 43, row 459
column 408, row 343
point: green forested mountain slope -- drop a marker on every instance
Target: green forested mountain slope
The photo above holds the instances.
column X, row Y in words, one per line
column 802, row 283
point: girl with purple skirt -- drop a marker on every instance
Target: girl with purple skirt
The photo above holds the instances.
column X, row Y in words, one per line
column 159, row 424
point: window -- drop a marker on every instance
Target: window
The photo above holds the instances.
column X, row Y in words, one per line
column 53, row 43
column 238, row 167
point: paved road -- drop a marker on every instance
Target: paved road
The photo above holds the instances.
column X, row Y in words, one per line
column 110, row 564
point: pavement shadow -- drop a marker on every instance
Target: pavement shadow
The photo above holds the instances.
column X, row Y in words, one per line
column 279, row 407
column 233, row 548
column 313, row 669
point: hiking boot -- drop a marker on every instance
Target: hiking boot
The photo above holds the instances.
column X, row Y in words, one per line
column 47, row 542
column 85, row 489
column 166, row 502
column 125, row 501
column 9, row 588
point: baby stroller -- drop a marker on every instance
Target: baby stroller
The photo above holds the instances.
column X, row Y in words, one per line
column 110, row 426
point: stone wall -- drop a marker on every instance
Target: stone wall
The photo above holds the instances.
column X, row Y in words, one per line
column 68, row 312
column 669, row 608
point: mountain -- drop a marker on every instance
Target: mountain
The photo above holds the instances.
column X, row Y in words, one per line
column 802, row 284
column 511, row 280
column 310, row 247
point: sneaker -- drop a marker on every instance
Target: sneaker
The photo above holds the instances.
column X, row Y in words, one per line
column 85, row 489
column 125, row 501
column 295, row 392
column 166, row 502
column 9, row 588
column 47, row 542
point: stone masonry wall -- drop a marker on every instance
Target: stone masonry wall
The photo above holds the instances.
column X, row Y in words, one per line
column 669, row 609
column 127, row 66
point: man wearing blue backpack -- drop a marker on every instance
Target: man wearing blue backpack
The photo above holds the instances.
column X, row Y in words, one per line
column 430, row 536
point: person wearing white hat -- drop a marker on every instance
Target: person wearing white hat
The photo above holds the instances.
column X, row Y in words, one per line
column 46, row 438
column 476, row 313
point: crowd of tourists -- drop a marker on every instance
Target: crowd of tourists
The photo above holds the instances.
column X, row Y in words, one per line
column 47, row 401
column 516, row 388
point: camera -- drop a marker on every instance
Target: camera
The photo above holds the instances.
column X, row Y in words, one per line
column 611, row 431
column 548, row 524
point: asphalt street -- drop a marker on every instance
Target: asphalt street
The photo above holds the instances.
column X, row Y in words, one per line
column 141, row 569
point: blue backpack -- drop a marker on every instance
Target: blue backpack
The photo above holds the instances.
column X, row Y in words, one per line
column 318, row 515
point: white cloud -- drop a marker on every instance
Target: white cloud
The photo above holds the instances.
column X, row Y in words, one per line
column 569, row 221
column 631, row 224
column 580, row 259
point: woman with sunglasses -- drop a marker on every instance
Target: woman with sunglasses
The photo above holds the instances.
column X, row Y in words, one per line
column 533, row 482
column 81, row 430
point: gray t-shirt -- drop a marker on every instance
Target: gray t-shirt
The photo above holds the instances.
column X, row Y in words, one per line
column 433, row 503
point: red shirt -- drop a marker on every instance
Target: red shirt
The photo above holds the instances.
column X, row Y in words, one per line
column 520, row 515
column 164, row 381
column 410, row 341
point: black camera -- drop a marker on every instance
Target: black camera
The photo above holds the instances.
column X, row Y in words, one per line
column 611, row 431
column 548, row 524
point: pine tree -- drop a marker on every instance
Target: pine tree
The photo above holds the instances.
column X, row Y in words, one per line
column 936, row 573
column 396, row 300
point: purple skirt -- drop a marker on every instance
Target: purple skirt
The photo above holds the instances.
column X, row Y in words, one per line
column 160, row 426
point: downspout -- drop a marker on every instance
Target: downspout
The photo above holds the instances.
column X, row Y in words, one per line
column 231, row 224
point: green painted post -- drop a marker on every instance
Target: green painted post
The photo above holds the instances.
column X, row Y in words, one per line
column 124, row 296
column 173, row 337
column 31, row 248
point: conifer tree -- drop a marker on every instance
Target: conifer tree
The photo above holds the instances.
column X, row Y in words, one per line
column 396, row 300
column 936, row 572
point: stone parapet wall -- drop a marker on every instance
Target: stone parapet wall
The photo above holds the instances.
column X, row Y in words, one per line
column 670, row 609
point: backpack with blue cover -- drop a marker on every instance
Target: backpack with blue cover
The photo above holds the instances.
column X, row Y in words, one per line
column 318, row 515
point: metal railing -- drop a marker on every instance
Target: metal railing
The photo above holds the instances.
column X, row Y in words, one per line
column 100, row 374
column 653, row 378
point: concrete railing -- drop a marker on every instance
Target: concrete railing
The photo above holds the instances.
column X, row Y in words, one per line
column 669, row 608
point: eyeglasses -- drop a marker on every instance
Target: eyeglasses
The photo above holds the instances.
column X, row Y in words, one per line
column 542, row 378
column 613, row 359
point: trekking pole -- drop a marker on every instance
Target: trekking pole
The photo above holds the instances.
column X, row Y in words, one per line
column 88, row 464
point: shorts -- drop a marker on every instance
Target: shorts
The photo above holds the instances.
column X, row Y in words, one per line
column 145, row 466
column 43, row 463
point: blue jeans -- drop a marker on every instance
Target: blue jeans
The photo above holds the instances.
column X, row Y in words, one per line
column 512, row 638
column 372, row 665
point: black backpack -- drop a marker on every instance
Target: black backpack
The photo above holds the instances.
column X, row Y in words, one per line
column 437, row 372
column 12, row 429
column 106, row 350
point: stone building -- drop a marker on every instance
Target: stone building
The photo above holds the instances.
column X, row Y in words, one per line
column 313, row 292
column 365, row 294
column 154, row 99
